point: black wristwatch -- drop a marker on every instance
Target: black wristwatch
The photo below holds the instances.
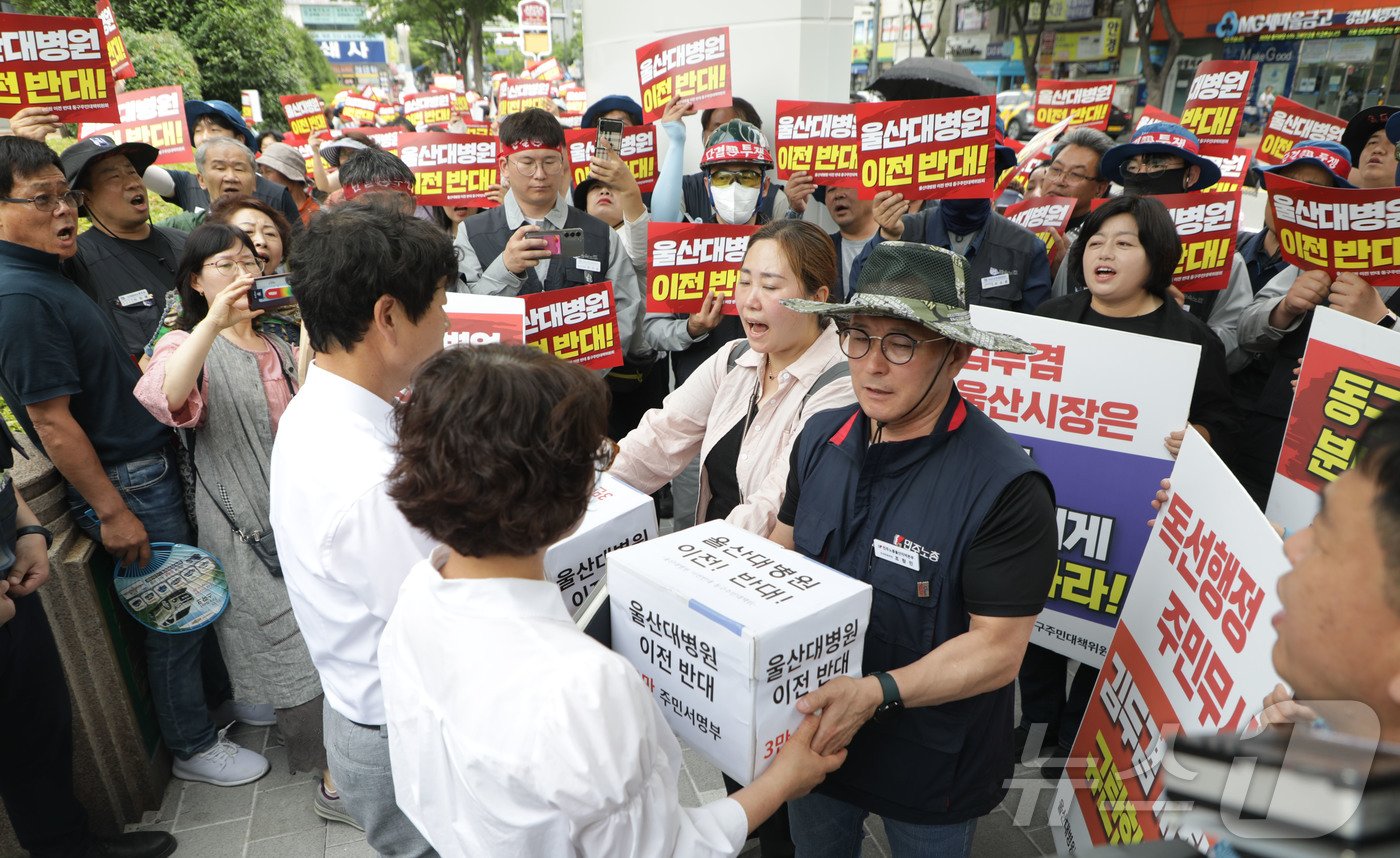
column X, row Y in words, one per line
column 1388, row 321
column 39, row 529
column 892, row 703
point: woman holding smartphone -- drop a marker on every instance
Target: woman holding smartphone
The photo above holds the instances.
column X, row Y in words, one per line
column 228, row 384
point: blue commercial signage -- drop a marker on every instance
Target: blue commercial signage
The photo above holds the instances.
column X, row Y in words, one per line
column 355, row 51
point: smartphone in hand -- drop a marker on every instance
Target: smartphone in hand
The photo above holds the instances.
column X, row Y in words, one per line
column 609, row 138
column 561, row 242
column 270, row 292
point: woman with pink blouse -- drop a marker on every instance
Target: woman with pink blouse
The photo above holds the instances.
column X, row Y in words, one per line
column 741, row 410
column 228, row 384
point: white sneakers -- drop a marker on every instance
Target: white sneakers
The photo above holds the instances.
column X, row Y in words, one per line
column 222, row 764
column 252, row 714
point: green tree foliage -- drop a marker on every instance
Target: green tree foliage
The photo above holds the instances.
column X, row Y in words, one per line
column 245, row 46
column 163, row 60
column 314, row 66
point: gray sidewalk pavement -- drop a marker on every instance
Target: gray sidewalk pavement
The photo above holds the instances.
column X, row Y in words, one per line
column 273, row 817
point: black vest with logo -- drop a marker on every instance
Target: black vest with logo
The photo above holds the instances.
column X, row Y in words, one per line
column 932, row 764
column 488, row 233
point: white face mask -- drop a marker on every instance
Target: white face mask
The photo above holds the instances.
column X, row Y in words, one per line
column 736, row 203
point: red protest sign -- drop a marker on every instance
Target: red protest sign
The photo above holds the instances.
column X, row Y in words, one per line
column 1232, row 171
column 1340, row 390
column 937, row 148
column 1290, row 123
column 59, row 64
column 477, row 320
column 477, row 129
column 117, row 54
column 360, row 109
column 1215, row 103
column 686, row 260
column 638, row 152
column 428, row 108
column 1085, row 102
column 385, row 138
column 1207, row 225
column 386, row 113
column 517, row 94
column 1151, row 116
column 1334, row 230
column 1047, row 217
column 819, row 139
column 692, row 65
column 450, row 169
column 154, row 116
column 578, row 325
column 306, row 114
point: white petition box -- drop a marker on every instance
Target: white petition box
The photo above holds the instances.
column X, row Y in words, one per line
column 728, row 630
column 618, row 516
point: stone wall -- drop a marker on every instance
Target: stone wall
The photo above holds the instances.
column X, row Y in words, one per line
column 120, row 768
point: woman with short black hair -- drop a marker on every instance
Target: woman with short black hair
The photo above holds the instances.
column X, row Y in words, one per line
column 511, row 732
column 1120, row 268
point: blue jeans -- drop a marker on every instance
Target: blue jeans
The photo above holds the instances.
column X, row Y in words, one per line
column 824, row 827
column 152, row 490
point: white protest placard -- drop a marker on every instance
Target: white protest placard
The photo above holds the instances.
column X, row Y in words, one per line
column 1349, row 375
column 1193, row 652
column 618, row 516
column 1080, row 408
column 728, row 629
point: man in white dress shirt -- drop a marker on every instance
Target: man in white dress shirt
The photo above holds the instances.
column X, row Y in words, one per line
column 371, row 283
column 513, row 733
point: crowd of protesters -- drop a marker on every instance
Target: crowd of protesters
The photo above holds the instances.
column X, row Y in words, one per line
column 411, row 530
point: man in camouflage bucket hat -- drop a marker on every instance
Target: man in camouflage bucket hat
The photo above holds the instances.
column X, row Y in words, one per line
column 924, row 497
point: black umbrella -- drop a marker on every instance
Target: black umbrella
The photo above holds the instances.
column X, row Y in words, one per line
column 928, row 77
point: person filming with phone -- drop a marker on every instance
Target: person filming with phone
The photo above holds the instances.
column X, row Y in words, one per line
column 535, row 241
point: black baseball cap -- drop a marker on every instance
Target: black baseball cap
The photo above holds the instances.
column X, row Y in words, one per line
column 77, row 157
column 1363, row 125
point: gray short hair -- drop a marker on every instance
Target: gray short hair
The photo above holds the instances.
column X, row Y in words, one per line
column 1089, row 138
column 202, row 153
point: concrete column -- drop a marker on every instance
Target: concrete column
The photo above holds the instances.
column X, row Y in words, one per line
column 120, row 768
column 797, row 49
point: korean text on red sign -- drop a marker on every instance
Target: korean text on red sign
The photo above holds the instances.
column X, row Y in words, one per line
column 360, row 109
column 153, row 116
column 1335, row 230
column 450, row 169
column 306, row 114
column 1191, row 653
column 638, row 152
column 1085, row 102
column 929, row 149
column 517, row 94
column 1044, row 216
column 117, row 54
column 59, row 64
column 1215, row 103
column 428, row 108
column 578, row 325
column 693, row 66
column 819, row 139
column 686, row 260
column 1290, row 123
column 1207, row 225
column 1152, row 116
column 1232, row 172
column 1349, row 376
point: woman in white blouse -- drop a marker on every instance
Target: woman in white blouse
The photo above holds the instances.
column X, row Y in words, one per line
column 511, row 732
column 741, row 410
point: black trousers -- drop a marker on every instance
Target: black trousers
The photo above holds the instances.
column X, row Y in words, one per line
column 1043, row 697
column 36, row 748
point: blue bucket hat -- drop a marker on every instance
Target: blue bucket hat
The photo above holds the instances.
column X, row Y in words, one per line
column 225, row 113
column 1164, row 138
column 1392, row 128
column 611, row 103
column 1332, row 157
